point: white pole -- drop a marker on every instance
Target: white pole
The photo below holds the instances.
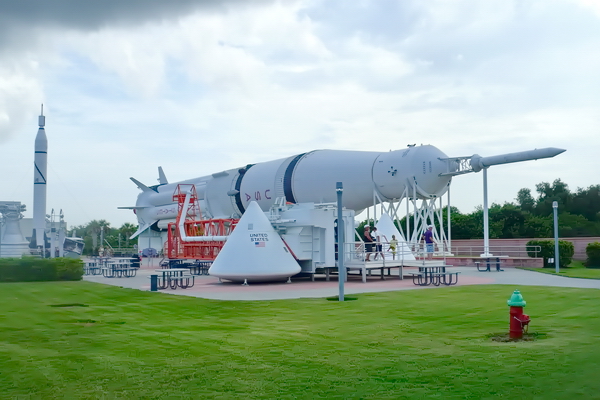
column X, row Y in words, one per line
column 555, row 209
column 449, row 238
column 486, row 222
column 339, row 188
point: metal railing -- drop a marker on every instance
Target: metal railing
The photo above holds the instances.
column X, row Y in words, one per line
column 511, row 251
column 355, row 253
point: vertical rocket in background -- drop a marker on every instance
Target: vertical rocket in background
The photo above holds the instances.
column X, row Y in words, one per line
column 39, row 185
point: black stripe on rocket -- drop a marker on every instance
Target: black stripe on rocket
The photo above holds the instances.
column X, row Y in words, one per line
column 238, row 185
column 40, row 174
column 287, row 179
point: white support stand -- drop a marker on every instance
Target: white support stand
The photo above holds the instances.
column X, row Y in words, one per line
column 486, row 222
column 427, row 212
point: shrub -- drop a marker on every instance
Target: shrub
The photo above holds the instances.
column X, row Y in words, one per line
column 30, row 269
column 593, row 255
column 67, row 269
column 566, row 250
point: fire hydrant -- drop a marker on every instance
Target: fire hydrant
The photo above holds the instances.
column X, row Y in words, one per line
column 518, row 321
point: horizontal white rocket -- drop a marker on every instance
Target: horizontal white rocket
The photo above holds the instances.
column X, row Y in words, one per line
column 415, row 172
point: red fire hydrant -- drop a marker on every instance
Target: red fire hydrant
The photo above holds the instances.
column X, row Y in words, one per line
column 518, row 321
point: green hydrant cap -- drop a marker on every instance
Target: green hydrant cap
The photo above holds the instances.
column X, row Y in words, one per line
column 516, row 300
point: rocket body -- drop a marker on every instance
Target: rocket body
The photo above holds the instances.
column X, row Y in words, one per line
column 305, row 178
column 39, row 183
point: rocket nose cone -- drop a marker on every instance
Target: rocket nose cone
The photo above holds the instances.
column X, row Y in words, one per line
column 556, row 151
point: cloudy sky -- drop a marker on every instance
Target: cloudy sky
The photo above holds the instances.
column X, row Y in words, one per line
column 199, row 86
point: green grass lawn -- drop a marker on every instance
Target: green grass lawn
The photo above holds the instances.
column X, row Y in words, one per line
column 576, row 269
column 80, row 340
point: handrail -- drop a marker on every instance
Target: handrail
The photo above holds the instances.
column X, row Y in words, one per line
column 355, row 252
column 512, row 251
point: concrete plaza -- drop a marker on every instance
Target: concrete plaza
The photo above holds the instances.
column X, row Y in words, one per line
column 210, row 288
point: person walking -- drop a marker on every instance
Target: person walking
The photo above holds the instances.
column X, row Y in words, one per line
column 378, row 244
column 393, row 246
column 368, row 242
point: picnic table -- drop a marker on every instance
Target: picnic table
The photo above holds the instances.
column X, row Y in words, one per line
column 488, row 263
column 92, row 268
column 118, row 269
column 434, row 276
column 173, row 278
column 200, row 267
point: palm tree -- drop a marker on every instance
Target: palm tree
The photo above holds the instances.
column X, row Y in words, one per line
column 94, row 228
column 127, row 229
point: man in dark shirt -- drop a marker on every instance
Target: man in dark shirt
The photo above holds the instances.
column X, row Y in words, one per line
column 368, row 242
column 428, row 237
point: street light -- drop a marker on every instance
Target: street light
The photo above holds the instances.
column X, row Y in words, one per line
column 555, row 209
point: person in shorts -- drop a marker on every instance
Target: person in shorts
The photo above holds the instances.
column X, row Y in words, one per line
column 378, row 243
column 368, row 242
column 393, row 246
column 428, row 237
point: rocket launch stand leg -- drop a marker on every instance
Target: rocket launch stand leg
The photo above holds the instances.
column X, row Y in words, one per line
column 426, row 214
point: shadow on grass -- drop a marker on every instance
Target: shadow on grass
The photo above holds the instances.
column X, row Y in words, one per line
column 346, row 298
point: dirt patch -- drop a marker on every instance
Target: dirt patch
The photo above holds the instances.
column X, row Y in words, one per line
column 505, row 337
column 69, row 305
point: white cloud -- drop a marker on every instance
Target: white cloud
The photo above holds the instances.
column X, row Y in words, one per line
column 200, row 91
column 20, row 93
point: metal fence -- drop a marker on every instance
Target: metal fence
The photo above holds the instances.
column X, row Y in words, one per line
column 510, row 251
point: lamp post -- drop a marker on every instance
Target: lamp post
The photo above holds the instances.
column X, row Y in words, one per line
column 340, row 238
column 555, row 209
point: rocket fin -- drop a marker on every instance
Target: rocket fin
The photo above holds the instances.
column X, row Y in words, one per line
column 141, row 229
column 162, row 178
column 141, row 186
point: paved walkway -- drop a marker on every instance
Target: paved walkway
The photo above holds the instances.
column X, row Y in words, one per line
column 210, row 288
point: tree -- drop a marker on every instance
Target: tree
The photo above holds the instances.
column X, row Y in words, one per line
column 525, row 200
column 510, row 221
column 558, row 191
column 586, row 202
column 465, row 226
column 537, row 227
column 127, row 229
column 95, row 228
column 572, row 225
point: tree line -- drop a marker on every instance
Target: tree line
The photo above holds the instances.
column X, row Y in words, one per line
column 99, row 233
column 533, row 217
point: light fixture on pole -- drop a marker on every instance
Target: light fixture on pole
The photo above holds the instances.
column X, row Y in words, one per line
column 555, row 209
